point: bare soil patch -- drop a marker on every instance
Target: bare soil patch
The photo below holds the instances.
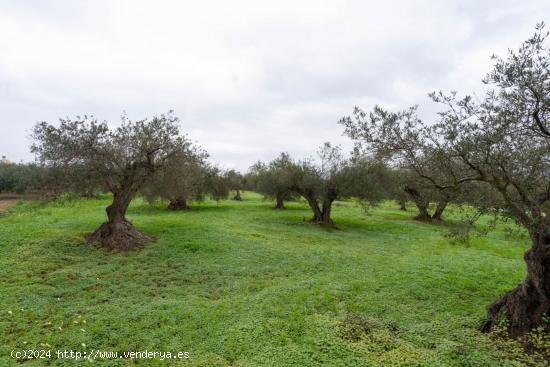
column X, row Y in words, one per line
column 9, row 200
column 6, row 204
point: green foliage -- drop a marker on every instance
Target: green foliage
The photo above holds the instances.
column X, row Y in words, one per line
column 235, row 180
column 216, row 184
column 182, row 177
column 460, row 233
column 20, row 178
column 119, row 159
column 274, row 178
column 235, row 283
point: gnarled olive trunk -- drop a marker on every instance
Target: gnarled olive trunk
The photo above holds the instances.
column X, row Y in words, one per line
column 439, row 210
column 178, row 204
column 327, row 208
column 280, row 203
column 421, row 203
column 525, row 306
column 237, row 195
column 319, row 216
column 117, row 232
column 328, row 199
column 314, row 205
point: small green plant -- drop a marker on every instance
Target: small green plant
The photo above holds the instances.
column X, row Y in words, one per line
column 459, row 235
column 515, row 233
column 355, row 327
column 467, row 227
column 483, row 230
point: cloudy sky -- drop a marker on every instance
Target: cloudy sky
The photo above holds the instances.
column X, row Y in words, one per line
column 248, row 79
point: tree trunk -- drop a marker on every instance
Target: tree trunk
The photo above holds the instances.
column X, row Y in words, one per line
column 314, row 205
column 117, row 232
column 525, row 306
column 423, row 214
column 402, row 205
column 237, row 195
column 421, row 203
column 327, row 207
column 439, row 209
column 178, row 204
column 280, row 203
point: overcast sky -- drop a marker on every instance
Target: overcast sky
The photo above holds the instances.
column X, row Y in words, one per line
column 248, row 79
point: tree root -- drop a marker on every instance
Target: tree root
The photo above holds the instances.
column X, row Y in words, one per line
column 522, row 309
column 423, row 218
column 119, row 236
column 178, row 205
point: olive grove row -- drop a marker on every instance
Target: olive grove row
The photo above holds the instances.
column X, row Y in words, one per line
column 491, row 152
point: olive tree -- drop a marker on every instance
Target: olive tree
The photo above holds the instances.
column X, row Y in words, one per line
column 181, row 179
column 216, row 183
column 422, row 192
column 395, row 137
column 272, row 179
column 502, row 139
column 236, row 182
column 334, row 177
column 123, row 158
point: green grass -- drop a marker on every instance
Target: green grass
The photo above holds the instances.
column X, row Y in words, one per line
column 240, row 284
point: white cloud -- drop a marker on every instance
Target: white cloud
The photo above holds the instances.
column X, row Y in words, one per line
column 247, row 78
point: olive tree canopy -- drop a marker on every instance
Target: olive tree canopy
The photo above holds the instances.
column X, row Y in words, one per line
column 273, row 180
column 181, row 179
column 123, row 158
column 235, row 180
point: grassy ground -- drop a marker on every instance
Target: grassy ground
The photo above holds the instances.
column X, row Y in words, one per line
column 240, row 284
